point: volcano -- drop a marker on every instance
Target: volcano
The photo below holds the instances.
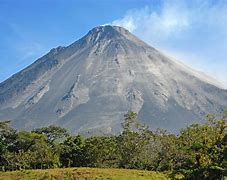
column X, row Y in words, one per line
column 89, row 85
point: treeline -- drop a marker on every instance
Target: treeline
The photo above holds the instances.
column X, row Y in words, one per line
column 198, row 152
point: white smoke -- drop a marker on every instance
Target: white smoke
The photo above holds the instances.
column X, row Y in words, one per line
column 185, row 29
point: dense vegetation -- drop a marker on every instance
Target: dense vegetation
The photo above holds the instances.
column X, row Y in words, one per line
column 198, row 152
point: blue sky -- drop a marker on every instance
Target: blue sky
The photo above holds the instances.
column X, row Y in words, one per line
column 194, row 31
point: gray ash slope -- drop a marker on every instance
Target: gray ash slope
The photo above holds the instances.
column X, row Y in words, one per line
column 89, row 86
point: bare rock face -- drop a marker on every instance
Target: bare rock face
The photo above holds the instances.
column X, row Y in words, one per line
column 88, row 86
column 74, row 97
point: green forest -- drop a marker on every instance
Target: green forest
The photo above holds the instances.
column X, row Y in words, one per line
column 199, row 151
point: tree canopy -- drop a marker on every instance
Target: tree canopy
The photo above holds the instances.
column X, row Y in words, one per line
column 199, row 151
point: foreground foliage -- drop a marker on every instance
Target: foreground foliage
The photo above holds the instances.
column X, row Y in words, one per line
column 198, row 152
column 82, row 174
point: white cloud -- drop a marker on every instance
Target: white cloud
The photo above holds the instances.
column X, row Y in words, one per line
column 185, row 29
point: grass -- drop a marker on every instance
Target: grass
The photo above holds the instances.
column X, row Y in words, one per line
column 82, row 174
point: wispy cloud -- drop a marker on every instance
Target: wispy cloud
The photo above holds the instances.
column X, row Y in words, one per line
column 20, row 47
column 26, row 53
column 193, row 31
column 18, row 50
column 29, row 50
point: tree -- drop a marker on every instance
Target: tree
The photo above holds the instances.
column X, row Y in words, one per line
column 8, row 137
column 205, row 144
column 162, row 150
column 132, row 143
column 101, row 152
column 73, row 151
column 31, row 150
column 52, row 132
